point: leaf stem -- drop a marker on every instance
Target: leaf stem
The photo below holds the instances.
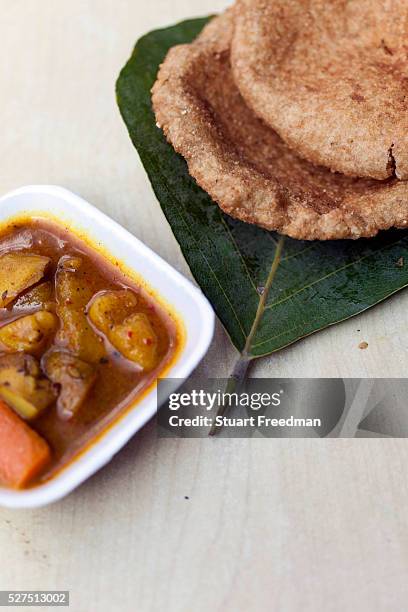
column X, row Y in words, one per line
column 241, row 367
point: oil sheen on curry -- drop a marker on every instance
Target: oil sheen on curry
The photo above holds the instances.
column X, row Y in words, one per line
column 79, row 342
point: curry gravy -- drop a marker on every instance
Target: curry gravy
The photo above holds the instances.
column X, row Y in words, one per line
column 118, row 381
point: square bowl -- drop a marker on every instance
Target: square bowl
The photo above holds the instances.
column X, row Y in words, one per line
column 184, row 299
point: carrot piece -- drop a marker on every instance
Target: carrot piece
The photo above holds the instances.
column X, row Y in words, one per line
column 23, row 453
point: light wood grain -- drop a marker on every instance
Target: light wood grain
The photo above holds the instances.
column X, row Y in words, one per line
column 268, row 524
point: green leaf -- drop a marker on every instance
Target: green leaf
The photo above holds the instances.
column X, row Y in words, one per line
column 316, row 284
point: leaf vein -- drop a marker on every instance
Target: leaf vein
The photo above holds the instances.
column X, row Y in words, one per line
column 239, row 255
column 336, row 271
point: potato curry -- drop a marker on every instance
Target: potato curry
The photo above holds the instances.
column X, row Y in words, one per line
column 79, row 342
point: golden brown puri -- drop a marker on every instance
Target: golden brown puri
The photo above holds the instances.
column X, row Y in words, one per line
column 330, row 77
column 246, row 167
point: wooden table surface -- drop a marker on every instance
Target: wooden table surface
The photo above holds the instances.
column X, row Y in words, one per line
column 181, row 525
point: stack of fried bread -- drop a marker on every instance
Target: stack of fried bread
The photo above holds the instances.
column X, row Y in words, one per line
column 292, row 114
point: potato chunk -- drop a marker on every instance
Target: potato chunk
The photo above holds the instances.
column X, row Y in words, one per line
column 23, row 386
column 18, row 272
column 110, row 308
column 75, row 378
column 73, row 294
column 29, row 333
column 130, row 332
column 136, row 340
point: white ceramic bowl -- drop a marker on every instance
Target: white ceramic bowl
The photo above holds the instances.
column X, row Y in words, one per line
column 181, row 295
